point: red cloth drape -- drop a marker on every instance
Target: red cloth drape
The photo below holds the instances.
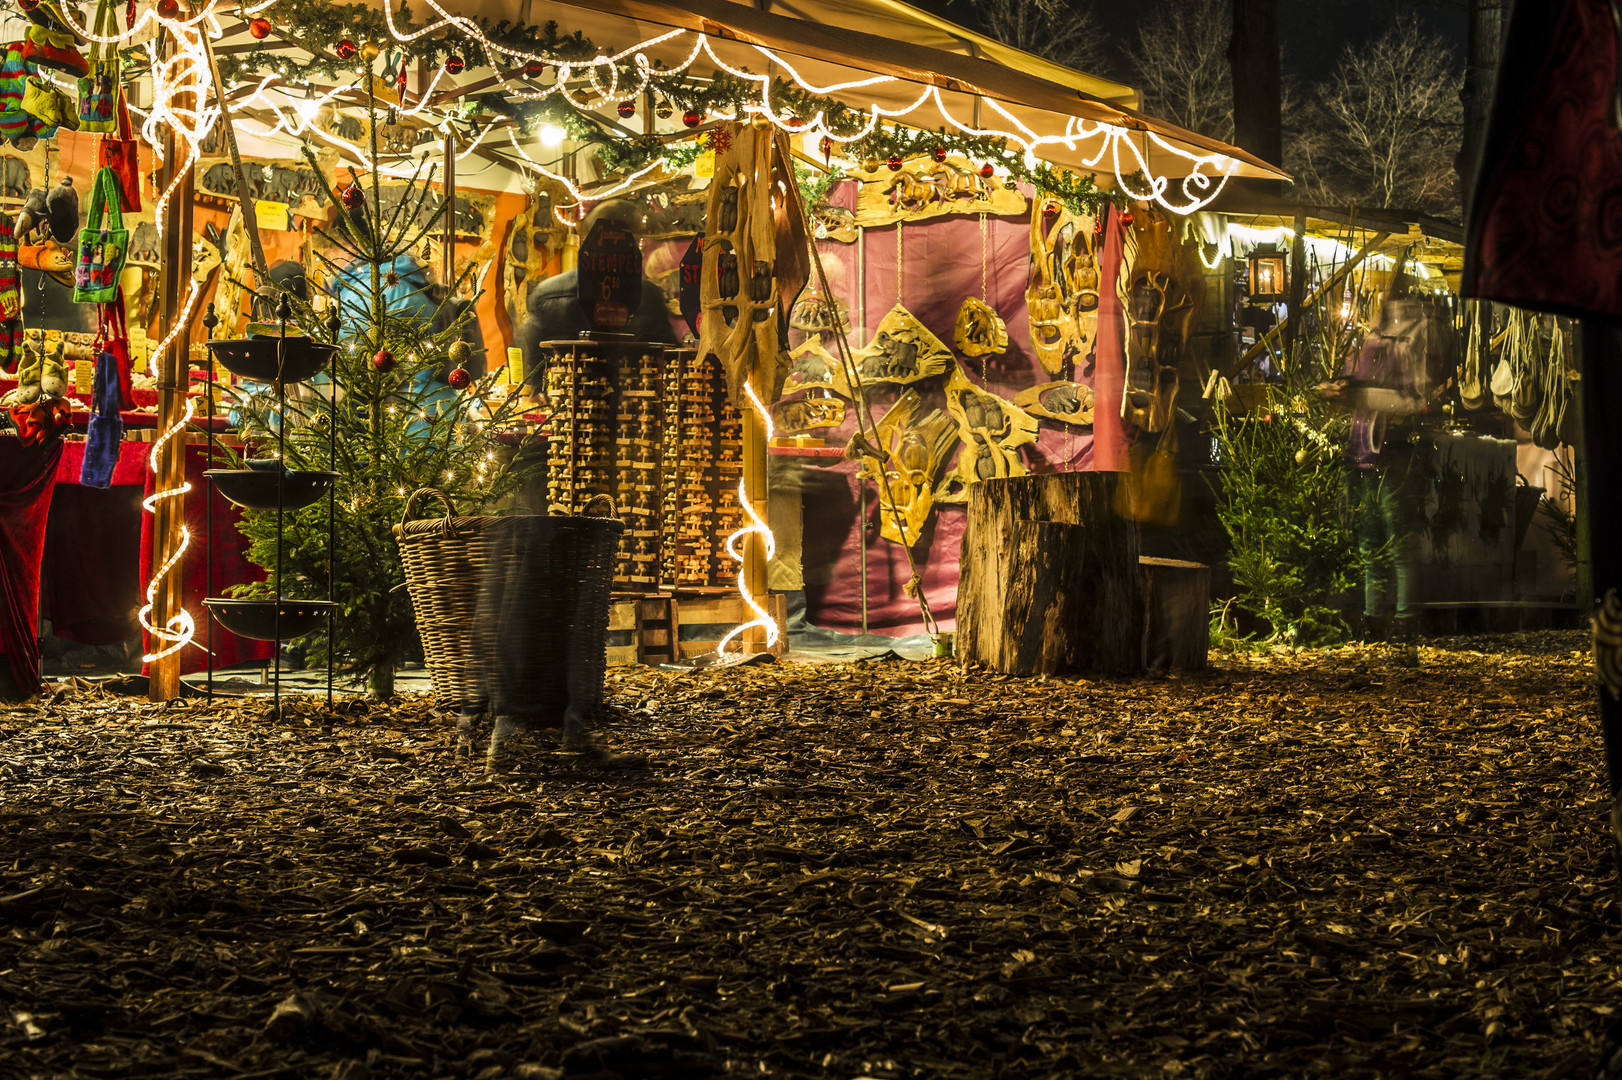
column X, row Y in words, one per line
column 231, row 566
column 27, row 478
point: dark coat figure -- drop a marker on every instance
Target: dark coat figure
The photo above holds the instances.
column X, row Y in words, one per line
column 553, row 312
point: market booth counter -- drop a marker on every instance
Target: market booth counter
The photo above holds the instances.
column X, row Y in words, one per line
column 78, row 555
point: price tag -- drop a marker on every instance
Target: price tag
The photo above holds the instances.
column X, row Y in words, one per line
column 704, row 164
column 610, row 276
column 84, row 376
column 515, row 366
column 272, row 215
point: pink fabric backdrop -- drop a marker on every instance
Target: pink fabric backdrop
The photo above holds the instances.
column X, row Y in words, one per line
column 941, row 265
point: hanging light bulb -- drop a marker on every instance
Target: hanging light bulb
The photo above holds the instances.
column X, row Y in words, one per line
column 552, row 135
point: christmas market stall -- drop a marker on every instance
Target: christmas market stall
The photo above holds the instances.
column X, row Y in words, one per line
column 1345, row 409
column 784, row 287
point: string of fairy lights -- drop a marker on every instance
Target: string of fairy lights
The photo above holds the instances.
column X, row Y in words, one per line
column 184, row 108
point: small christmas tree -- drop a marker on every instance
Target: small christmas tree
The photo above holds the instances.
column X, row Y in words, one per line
column 1283, row 473
column 398, row 426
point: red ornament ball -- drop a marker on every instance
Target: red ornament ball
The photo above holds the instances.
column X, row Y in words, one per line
column 626, row 109
column 794, row 122
column 1126, row 217
column 939, row 154
column 354, row 198
column 988, row 170
column 259, row 28
column 454, row 64
column 383, row 360
column 894, row 163
column 169, row 9
column 346, row 49
column 459, row 378
column 692, row 118
column 533, row 69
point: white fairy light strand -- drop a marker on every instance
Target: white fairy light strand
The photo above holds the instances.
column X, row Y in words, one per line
column 757, row 527
column 1197, row 188
column 179, row 631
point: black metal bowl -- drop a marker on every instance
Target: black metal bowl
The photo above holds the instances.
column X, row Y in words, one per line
column 256, row 488
column 255, row 358
column 257, row 618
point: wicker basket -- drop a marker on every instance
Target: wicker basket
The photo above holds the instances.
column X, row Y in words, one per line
column 542, row 623
column 513, row 609
column 444, row 560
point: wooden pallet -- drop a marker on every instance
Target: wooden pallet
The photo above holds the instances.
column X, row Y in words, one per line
column 648, row 629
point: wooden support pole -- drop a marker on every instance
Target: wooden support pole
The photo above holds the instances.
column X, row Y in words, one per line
column 447, row 254
column 754, row 487
column 169, row 515
column 1298, row 282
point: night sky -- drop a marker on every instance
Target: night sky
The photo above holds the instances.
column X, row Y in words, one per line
column 1314, row 31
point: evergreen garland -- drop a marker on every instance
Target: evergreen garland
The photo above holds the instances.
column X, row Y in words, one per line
column 322, row 24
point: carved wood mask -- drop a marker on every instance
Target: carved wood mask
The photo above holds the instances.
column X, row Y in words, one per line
column 1162, row 291
column 1061, row 294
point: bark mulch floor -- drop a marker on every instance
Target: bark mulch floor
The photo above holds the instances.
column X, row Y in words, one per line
column 1285, row 866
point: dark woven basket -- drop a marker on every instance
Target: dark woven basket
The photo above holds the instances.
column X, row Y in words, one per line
column 511, row 607
column 444, row 559
column 543, row 617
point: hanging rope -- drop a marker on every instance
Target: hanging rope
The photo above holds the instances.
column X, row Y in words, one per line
column 867, row 437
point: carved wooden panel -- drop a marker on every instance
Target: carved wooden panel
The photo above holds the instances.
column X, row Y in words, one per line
column 918, row 448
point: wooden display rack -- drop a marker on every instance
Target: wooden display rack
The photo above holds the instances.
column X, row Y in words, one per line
column 648, row 628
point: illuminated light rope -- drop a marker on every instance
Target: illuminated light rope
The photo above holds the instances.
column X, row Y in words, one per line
column 182, row 628
column 757, row 527
column 568, row 184
column 1197, row 189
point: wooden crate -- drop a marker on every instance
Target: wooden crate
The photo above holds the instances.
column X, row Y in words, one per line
column 713, row 615
column 648, row 629
column 641, row 630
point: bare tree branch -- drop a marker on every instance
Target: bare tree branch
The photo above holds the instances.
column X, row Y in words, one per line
column 1059, row 30
column 1388, row 121
column 1180, row 63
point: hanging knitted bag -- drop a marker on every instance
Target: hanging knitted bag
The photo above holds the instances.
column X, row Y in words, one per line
column 100, row 90
column 106, row 428
column 122, row 154
column 10, row 281
column 103, row 244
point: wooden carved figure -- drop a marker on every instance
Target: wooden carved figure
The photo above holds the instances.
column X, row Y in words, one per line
column 814, row 366
column 980, row 331
column 1061, row 295
column 808, row 413
column 991, row 429
column 755, row 260
column 1161, row 288
column 1067, row 402
column 917, row 449
column 902, row 351
column 529, row 251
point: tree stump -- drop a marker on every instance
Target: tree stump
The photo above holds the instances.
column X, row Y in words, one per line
column 1049, row 582
column 1177, row 614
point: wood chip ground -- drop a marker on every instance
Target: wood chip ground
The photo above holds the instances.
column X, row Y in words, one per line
column 1289, row 865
